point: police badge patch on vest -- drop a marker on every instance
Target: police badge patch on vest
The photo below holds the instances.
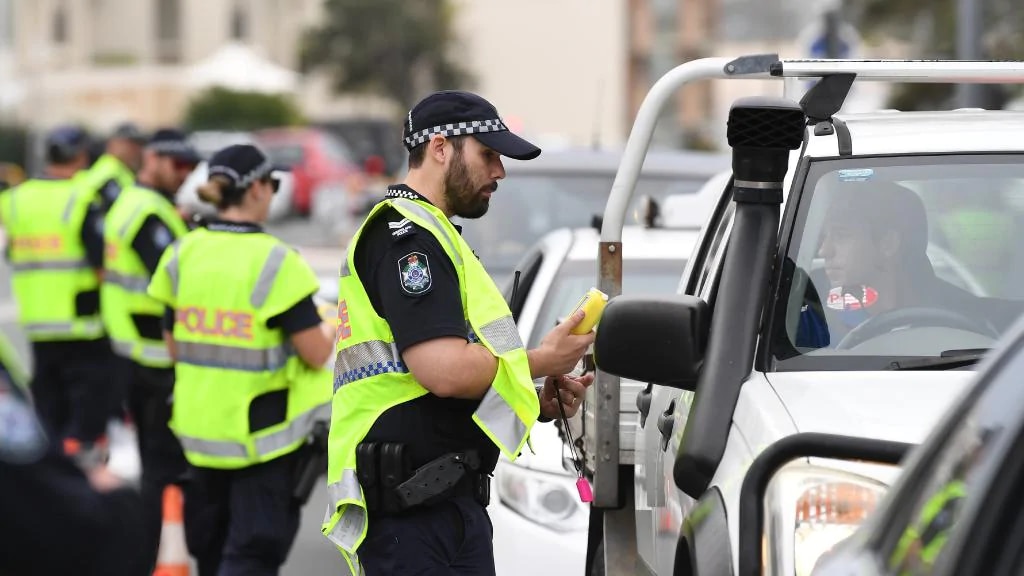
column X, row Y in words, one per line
column 414, row 273
column 22, row 440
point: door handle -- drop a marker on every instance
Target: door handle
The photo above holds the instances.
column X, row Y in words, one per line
column 665, row 424
column 643, row 403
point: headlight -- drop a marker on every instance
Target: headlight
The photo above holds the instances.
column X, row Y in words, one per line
column 550, row 500
column 809, row 510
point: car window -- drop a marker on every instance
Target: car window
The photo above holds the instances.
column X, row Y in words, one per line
column 575, row 277
column 284, row 154
column 955, row 476
column 336, row 150
column 526, row 207
column 902, row 257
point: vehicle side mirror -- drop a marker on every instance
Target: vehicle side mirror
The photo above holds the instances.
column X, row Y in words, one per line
column 658, row 339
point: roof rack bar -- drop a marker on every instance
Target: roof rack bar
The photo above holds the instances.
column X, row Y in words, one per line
column 910, row 71
column 752, row 67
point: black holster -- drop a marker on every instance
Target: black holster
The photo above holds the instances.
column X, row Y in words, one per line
column 392, row 487
column 312, row 462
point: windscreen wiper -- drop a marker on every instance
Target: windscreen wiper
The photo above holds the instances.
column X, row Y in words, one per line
column 948, row 360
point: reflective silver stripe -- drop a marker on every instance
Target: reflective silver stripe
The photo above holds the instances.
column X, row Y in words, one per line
column 128, row 223
column 216, row 448
column 172, row 267
column 51, row 265
column 501, row 420
column 502, row 334
column 70, row 206
column 432, row 220
column 352, row 523
column 149, row 351
column 366, row 359
column 267, row 275
column 343, row 272
column 137, row 284
column 232, row 357
column 298, row 429
column 61, row 328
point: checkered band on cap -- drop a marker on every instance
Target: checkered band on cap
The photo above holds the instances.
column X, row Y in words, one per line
column 170, row 147
column 456, row 129
column 243, row 181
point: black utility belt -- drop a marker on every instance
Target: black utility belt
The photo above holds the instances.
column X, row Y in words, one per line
column 391, row 486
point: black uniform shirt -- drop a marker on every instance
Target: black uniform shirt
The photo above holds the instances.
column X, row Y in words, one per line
column 413, row 285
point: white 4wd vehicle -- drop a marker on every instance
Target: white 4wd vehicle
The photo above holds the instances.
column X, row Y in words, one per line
column 854, row 266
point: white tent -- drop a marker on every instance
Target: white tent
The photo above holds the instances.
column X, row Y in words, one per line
column 237, row 67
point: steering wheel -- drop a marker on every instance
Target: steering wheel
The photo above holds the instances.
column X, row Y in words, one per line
column 888, row 321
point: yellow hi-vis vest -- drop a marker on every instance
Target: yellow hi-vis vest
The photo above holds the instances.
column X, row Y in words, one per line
column 125, row 277
column 224, row 287
column 43, row 220
column 370, row 376
column 106, row 168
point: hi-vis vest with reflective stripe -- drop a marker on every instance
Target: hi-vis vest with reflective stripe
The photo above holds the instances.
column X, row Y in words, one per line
column 125, row 277
column 224, row 288
column 43, row 220
column 370, row 377
column 106, row 168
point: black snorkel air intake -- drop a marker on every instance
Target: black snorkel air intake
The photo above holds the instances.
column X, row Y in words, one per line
column 762, row 132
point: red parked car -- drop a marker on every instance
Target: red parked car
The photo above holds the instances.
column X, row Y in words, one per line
column 317, row 160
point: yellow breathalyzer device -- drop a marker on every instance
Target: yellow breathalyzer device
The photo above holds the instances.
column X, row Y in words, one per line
column 592, row 304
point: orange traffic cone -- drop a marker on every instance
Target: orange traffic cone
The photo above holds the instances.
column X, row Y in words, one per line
column 173, row 559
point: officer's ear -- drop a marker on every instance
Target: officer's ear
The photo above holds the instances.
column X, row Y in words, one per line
column 437, row 149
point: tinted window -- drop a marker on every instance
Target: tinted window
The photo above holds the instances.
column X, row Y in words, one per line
column 575, row 277
column 903, row 256
column 528, row 206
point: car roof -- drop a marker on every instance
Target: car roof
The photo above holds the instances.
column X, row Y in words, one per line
column 643, row 243
column 606, row 161
column 968, row 130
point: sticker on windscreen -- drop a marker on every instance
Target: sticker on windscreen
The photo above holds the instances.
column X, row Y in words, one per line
column 856, row 175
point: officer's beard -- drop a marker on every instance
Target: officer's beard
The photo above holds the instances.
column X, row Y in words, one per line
column 464, row 197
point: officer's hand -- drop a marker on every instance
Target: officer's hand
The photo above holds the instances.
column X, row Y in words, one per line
column 570, row 392
column 103, row 480
column 562, row 350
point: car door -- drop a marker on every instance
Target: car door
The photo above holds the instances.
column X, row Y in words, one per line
column 663, row 508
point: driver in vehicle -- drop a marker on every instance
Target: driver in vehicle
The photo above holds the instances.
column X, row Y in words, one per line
column 874, row 243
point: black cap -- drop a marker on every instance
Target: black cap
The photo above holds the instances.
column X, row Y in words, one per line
column 456, row 113
column 173, row 143
column 129, row 131
column 64, row 143
column 243, row 164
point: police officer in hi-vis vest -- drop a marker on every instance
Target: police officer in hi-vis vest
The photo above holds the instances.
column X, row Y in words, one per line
column 117, row 165
column 55, row 249
column 251, row 381
column 431, row 379
column 141, row 224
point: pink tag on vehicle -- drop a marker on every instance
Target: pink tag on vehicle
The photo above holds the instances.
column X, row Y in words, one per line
column 583, row 486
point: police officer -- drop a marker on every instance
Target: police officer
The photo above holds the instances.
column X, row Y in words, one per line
column 45, row 498
column 250, row 374
column 431, row 378
column 115, row 169
column 55, row 248
column 141, row 224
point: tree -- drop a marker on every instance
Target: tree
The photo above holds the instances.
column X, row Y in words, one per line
column 932, row 27
column 399, row 49
column 223, row 109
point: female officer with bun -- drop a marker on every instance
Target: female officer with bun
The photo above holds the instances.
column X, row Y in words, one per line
column 250, row 352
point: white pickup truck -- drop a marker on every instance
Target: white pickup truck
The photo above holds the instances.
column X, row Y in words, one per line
column 855, row 267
